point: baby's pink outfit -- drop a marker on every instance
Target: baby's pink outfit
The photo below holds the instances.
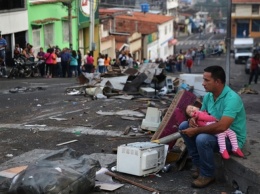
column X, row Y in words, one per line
column 203, row 119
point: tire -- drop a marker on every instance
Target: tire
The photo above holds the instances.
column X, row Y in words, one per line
column 27, row 72
column 12, row 73
column 36, row 72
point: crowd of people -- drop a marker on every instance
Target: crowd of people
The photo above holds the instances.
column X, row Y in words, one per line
column 185, row 60
column 54, row 62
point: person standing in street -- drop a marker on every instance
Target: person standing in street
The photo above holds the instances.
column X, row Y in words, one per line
column 254, row 68
column 50, row 59
column 79, row 61
column 65, row 56
column 88, row 63
column 40, row 57
column 107, row 62
column 3, row 45
column 73, row 61
column 227, row 107
column 101, row 64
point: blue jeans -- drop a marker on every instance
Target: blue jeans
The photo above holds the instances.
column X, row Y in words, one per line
column 2, row 54
column 101, row 69
column 73, row 68
column 201, row 148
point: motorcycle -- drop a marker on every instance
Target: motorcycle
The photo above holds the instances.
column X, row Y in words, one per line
column 24, row 68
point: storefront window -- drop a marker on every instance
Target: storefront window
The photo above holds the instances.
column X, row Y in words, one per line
column 11, row 4
column 255, row 25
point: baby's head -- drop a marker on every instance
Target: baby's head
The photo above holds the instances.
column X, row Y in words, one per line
column 190, row 110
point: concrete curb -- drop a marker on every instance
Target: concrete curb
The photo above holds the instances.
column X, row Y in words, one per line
column 245, row 172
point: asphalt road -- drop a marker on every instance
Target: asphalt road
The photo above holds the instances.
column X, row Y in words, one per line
column 45, row 103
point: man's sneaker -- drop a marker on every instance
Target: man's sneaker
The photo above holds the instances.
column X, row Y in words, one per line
column 195, row 173
column 202, row 182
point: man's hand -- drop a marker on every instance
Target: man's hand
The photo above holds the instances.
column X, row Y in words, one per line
column 190, row 132
column 192, row 123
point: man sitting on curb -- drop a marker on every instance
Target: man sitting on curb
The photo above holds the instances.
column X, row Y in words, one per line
column 224, row 104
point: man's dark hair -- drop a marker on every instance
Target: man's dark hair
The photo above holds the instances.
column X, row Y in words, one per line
column 217, row 72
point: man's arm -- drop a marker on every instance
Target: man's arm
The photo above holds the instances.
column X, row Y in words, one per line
column 222, row 125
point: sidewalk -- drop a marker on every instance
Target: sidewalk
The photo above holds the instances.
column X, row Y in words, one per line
column 245, row 172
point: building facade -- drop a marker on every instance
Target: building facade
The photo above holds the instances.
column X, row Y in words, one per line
column 245, row 18
column 49, row 24
column 13, row 25
column 88, row 24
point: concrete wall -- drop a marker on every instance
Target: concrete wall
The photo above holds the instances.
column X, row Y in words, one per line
column 12, row 22
column 57, row 11
column 165, row 50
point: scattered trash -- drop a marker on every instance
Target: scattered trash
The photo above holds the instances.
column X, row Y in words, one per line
column 64, row 143
column 39, row 105
column 163, row 91
column 73, row 93
column 113, row 168
column 122, row 113
column 152, row 119
column 127, row 130
column 131, row 118
column 237, row 192
column 105, row 182
column 247, row 90
column 101, row 96
column 59, row 172
column 77, row 133
column 9, row 155
column 19, row 89
column 35, row 125
column 131, row 182
column 58, row 119
column 11, row 172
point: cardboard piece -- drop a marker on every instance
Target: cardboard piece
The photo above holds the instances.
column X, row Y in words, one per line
column 11, row 172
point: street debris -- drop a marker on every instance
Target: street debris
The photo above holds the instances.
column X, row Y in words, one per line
column 130, row 118
column 68, row 142
column 127, row 113
column 247, row 90
column 58, row 119
column 35, row 125
column 11, row 172
column 59, row 172
column 105, row 182
column 20, row 89
column 152, row 119
column 131, row 182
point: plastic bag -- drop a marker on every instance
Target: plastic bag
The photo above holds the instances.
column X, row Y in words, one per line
column 59, row 173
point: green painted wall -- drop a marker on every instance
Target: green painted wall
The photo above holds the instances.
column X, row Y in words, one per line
column 57, row 11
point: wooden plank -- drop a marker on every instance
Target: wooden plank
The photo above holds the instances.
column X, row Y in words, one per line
column 11, row 172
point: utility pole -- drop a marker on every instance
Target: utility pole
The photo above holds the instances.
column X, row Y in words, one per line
column 70, row 27
column 68, row 4
column 228, row 41
column 92, row 26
